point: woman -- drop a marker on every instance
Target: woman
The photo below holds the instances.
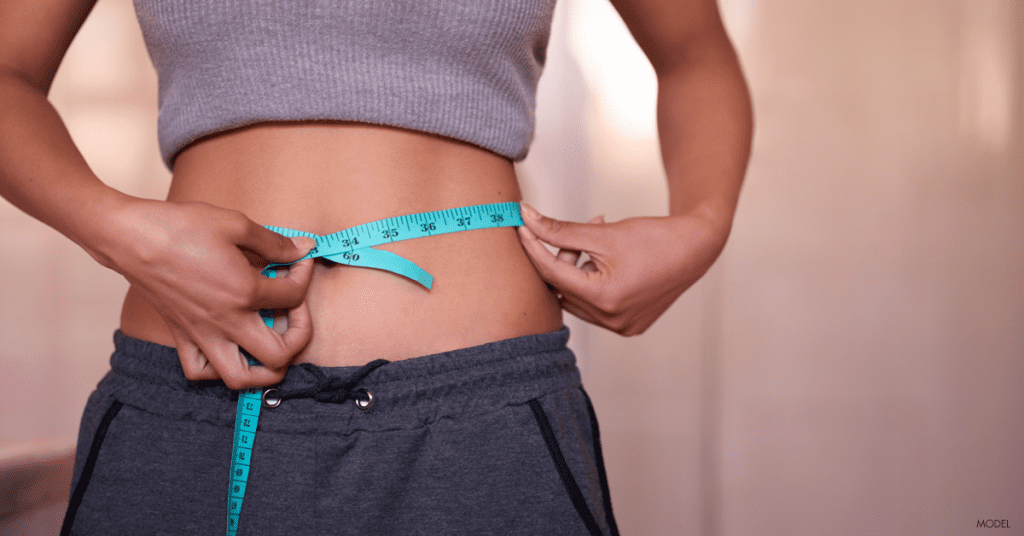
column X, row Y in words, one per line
column 394, row 409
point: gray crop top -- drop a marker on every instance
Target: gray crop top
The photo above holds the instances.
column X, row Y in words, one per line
column 464, row 69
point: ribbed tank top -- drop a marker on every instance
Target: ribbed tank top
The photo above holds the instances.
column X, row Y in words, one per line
column 464, row 69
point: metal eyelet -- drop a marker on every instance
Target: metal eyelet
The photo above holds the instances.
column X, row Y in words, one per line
column 364, row 399
column 271, row 398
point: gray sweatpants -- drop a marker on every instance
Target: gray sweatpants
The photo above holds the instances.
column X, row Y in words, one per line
column 494, row 439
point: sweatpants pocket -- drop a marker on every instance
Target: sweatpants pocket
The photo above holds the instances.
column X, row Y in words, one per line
column 570, row 433
column 147, row 474
column 90, row 465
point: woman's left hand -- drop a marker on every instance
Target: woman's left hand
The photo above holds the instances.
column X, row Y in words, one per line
column 637, row 266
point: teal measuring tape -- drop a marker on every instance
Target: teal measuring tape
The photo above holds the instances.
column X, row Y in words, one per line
column 354, row 247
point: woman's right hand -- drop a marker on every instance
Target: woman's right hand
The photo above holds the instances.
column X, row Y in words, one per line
column 199, row 266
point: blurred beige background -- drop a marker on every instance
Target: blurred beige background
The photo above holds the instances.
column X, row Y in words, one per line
column 853, row 363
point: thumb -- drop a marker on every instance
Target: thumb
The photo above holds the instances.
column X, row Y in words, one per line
column 276, row 247
column 304, row 244
column 572, row 256
column 562, row 234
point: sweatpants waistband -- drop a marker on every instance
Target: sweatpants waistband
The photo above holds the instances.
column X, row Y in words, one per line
column 407, row 394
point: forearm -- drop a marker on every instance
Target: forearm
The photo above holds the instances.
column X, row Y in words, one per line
column 43, row 173
column 705, row 123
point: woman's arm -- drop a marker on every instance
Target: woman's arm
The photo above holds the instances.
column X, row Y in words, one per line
column 639, row 266
column 189, row 259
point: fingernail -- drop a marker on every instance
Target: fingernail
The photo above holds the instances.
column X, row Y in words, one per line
column 304, row 242
column 529, row 211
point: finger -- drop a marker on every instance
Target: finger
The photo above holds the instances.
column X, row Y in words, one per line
column 276, row 350
column 571, row 256
column 563, row 276
column 240, row 374
column 234, row 369
column 300, row 329
column 273, row 246
column 284, row 292
column 217, row 362
column 193, row 363
column 561, row 234
column 575, row 307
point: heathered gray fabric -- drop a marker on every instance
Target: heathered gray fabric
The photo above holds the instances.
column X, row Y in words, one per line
column 464, row 69
column 450, row 447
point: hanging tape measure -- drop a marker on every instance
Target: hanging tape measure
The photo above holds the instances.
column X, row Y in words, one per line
column 354, row 247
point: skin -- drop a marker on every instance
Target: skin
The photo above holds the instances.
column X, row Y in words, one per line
column 639, row 266
column 193, row 260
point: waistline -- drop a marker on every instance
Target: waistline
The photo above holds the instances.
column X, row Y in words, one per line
column 407, row 394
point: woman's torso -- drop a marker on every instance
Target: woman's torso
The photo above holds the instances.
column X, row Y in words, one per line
column 325, row 177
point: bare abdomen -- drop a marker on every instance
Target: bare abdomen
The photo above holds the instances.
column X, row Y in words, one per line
column 326, row 177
